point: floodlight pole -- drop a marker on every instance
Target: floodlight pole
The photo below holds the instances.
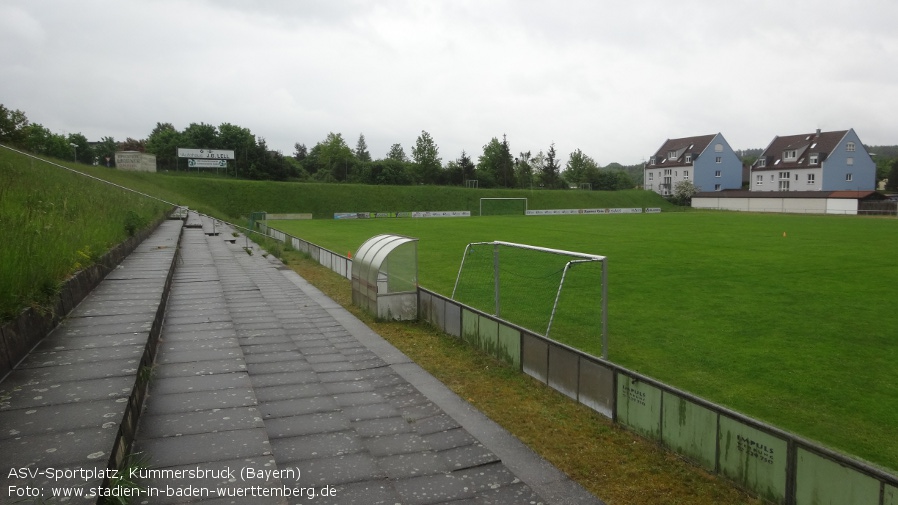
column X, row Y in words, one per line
column 75, row 149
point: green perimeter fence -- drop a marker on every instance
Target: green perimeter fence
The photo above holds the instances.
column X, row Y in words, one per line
column 774, row 464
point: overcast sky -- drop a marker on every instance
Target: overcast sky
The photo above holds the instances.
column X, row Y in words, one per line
column 614, row 79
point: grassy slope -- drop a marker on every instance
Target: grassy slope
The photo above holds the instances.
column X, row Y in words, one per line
column 796, row 330
column 53, row 223
column 231, row 198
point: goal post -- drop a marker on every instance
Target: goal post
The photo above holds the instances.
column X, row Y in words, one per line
column 560, row 294
column 503, row 206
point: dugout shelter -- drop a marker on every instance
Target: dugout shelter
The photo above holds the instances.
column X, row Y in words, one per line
column 385, row 277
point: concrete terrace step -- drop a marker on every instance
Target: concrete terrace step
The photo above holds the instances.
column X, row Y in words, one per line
column 258, row 370
column 259, row 383
column 66, row 404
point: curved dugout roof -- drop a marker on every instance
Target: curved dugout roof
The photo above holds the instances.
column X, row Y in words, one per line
column 372, row 254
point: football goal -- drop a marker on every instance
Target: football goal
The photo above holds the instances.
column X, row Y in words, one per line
column 560, row 294
column 503, row 206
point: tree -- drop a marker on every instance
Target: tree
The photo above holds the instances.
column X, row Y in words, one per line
column 460, row 170
column 427, row 162
column 525, row 166
column 389, row 171
column 130, row 144
column 300, row 152
column 242, row 142
column 549, row 175
column 578, row 167
column 164, row 142
column 105, row 151
column 892, row 185
column 13, row 127
column 361, row 149
column 487, row 170
column 83, row 150
column 683, row 191
column 397, row 153
column 200, row 136
column 330, row 159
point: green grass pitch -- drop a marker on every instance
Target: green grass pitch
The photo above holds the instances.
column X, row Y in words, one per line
column 788, row 318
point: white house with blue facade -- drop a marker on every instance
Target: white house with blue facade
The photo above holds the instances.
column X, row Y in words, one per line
column 707, row 160
column 821, row 161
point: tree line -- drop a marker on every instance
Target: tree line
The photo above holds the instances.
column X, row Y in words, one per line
column 333, row 160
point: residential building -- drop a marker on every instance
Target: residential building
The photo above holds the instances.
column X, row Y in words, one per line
column 821, row 161
column 707, row 160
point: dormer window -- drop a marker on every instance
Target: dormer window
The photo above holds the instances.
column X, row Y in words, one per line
column 762, row 162
column 671, row 155
column 688, row 158
column 790, row 155
column 849, row 147
column 814, row 159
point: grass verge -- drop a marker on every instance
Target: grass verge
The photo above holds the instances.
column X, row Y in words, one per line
column 614, row 464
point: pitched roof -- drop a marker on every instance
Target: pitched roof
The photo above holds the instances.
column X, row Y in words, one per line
column 820, row 143
column 683, row 146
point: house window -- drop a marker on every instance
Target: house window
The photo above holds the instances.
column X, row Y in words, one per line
column 667, row 171
column 718, row 148
column 717, row 173
column 686, row 175
column 796, row 177
column 790, row 155
column 759, row 180
column 813, row 159
column 848, row 177
column 762, row 162
column 688, row 158
column 651, row 176
column 784, row 175
column 671, row 155
column 849, row 147
column 810, row 178
column 717, row 159
column 771, row 177
column 717, row 187
column 849, row 161
column 784, row 185
column 652, row 161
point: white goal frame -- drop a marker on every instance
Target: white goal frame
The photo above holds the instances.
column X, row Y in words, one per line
column 519, row 198
column 579, row 258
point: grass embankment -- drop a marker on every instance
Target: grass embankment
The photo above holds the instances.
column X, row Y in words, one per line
column 54, row 223
column 616, row 465
column 786, row 318
column 231, row 199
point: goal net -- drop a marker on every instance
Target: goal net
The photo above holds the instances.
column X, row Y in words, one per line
column 503, row 206
column 559, row 294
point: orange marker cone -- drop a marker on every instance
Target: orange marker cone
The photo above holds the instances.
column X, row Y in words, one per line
column 349, row 254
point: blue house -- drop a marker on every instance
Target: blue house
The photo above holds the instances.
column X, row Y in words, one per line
column 707, row 160
column 821, row 161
